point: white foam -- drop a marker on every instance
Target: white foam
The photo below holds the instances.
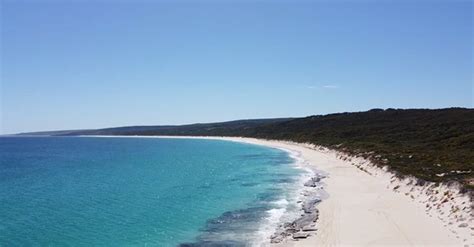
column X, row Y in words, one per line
column 282, row 202
column 268, row 226
column 286, row 209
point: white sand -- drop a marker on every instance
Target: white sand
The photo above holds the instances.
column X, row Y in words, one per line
column 363, row 209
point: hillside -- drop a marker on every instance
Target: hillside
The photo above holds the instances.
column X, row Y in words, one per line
column 226, row 128
column 434, row 145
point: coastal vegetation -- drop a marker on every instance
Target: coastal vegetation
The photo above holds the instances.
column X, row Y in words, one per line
column 433, row 145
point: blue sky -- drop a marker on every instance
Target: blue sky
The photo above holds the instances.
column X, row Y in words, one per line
column 91, row 64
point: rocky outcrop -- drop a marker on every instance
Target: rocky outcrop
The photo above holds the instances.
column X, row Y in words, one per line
column 303, row 226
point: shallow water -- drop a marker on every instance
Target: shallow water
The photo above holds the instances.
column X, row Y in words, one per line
column 140, row 191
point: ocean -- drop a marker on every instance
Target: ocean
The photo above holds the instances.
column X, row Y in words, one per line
column 96, row 191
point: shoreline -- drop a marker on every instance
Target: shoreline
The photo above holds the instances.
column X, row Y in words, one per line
column 370, row 206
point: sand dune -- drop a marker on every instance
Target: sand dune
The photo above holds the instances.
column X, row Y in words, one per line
column 363, row 209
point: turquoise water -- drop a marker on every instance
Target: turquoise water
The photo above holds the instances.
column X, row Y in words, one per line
column 92, row 191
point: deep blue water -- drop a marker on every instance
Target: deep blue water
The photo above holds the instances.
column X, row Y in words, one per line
column 74, row 191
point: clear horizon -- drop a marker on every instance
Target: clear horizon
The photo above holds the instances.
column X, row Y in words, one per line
column 94, row 64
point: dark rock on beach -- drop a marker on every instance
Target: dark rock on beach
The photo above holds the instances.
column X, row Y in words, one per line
column 300, row 235
column 301, row 227
column 313, row 182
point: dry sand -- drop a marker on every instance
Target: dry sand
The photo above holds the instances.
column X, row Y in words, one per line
column 363, row 209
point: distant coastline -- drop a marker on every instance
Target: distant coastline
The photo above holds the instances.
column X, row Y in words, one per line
column 430, row 144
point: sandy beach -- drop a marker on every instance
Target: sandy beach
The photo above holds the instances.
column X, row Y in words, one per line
column 369, row 207
column 237, row 123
